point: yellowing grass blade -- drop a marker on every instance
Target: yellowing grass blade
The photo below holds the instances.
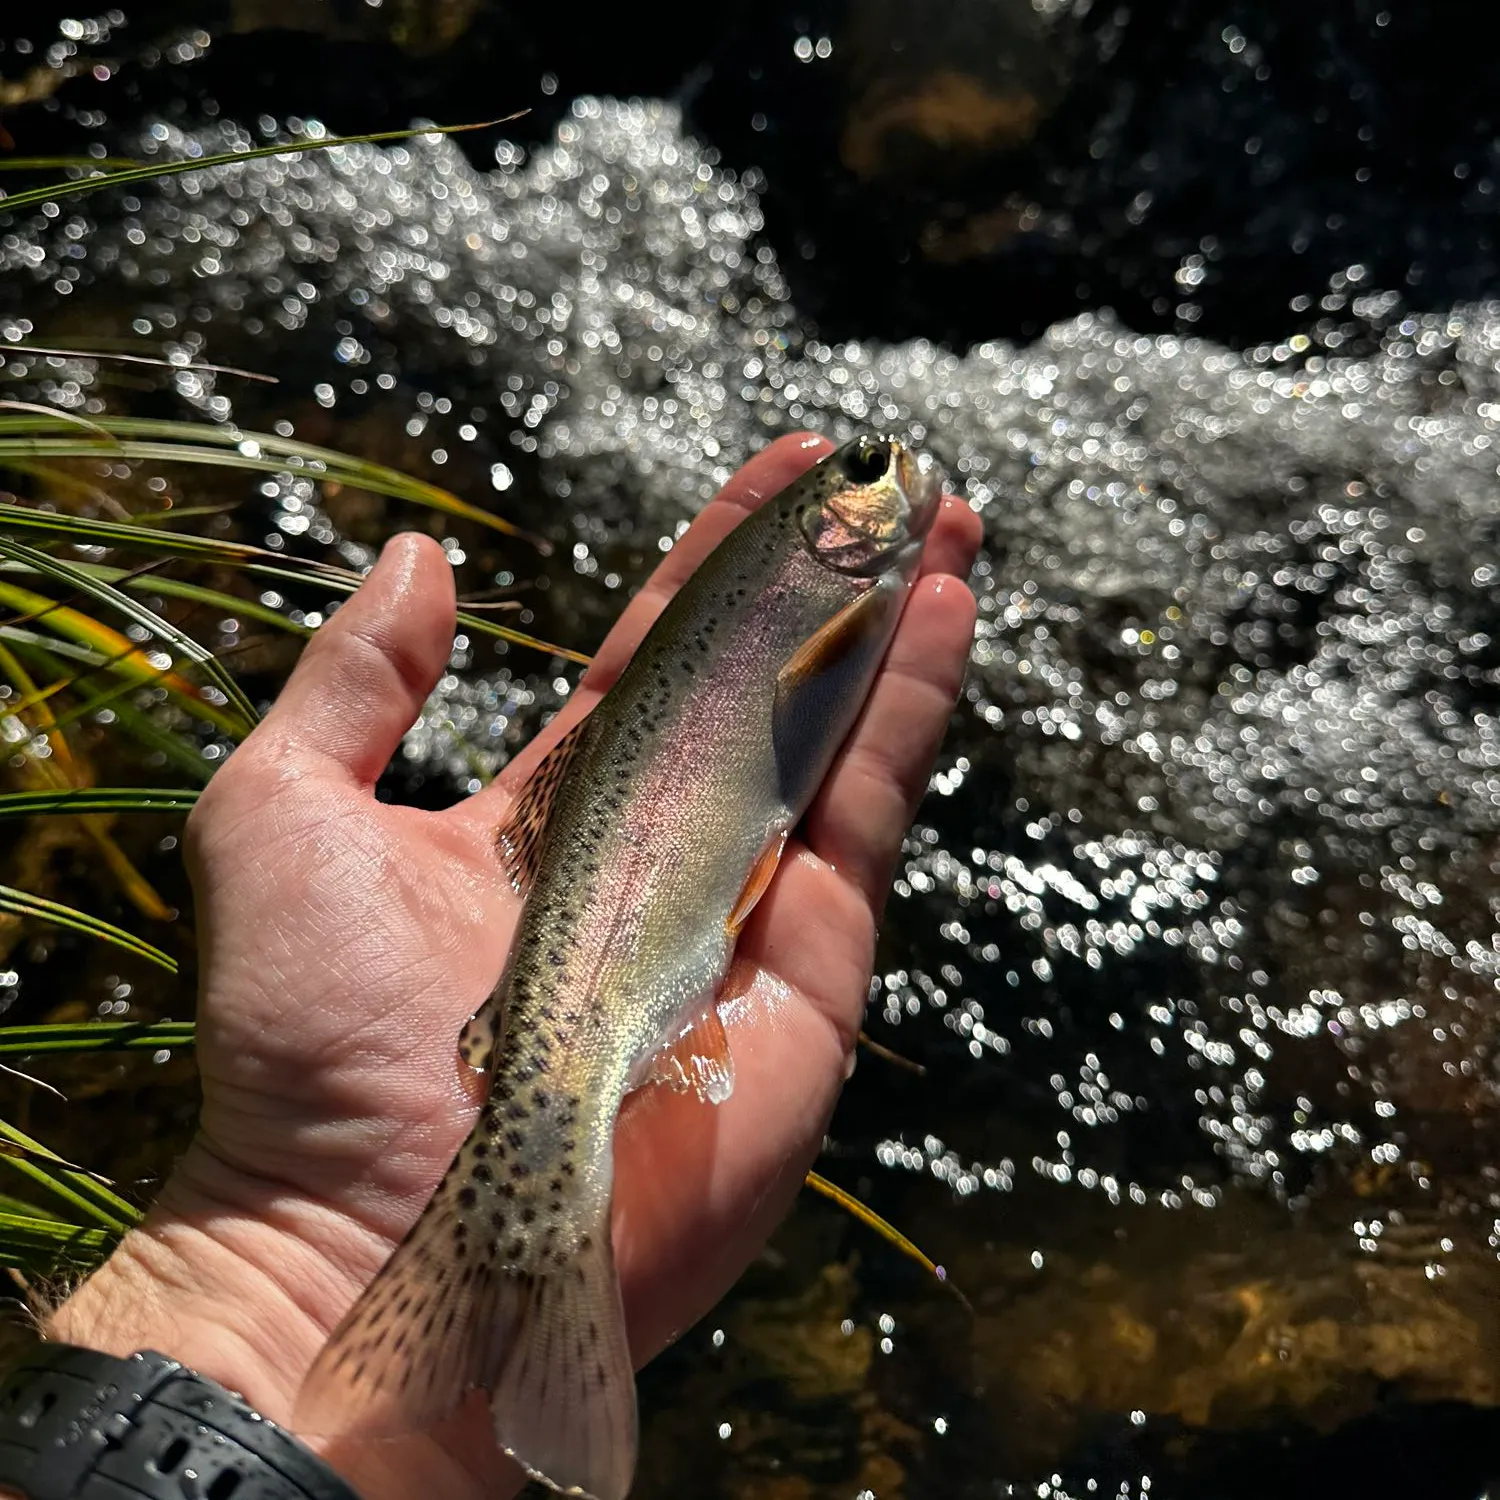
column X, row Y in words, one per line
column 134, row 610
column 867, row 1216
column 125, row 657
column 142, row 440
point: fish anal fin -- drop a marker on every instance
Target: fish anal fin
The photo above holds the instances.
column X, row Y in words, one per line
column 758, row 882
column 697, row 1058
column 520, row 835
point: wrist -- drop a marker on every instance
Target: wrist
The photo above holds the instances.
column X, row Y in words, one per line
column 243, row 1285
column 199, row 1282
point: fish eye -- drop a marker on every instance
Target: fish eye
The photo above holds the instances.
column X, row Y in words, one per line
column 868, row 462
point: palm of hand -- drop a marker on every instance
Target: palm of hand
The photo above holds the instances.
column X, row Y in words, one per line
column 346, row 941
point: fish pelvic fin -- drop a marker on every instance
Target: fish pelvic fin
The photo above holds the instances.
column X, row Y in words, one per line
column 474, row 1297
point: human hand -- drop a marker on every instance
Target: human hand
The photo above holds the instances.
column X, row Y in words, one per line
column 345, row 941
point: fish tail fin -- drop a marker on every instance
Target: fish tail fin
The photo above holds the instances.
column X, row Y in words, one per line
column 462, row 1303
column 564, row 1400
column 431, row 1326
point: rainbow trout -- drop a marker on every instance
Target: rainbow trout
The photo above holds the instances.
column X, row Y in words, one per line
column 641, row 844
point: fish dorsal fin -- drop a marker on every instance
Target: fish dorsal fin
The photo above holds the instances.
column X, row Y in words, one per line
column 520, row 835
column 698, row 1059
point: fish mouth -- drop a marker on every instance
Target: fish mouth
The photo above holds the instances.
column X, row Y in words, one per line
column 922, row 483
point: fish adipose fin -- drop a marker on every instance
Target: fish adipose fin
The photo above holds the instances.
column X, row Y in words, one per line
column 542, row 1329
column 520, row 836
column 479, row 1038
column 697, row 1058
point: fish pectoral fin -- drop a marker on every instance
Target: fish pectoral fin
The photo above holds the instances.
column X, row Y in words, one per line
column 519, row 837
column 822, row 682
column 855, row 625
column 697, row 1058
column 767, row 862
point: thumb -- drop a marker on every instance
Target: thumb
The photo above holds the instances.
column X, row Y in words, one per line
column 363, row 679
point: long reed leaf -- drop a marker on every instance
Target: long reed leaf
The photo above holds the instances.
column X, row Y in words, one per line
column 77, row 1188
column 258, row 561
column 867, row 1216
column 24, row 904
column 41, row 1246
column 118, row 654
column 97, row 1036
column 144, row 440
column 87, row 583
column 128, row 175
column 97, row 799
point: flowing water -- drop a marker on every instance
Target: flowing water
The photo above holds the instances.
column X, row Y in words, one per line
column 1196, row 934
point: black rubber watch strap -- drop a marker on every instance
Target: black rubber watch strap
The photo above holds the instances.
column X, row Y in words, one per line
column 79, row 1425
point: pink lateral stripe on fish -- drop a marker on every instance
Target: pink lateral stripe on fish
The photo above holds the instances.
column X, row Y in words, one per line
column 641, row 844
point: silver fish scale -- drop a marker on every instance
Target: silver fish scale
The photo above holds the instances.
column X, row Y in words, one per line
column 1221, row 802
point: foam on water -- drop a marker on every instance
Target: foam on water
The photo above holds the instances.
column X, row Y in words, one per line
column 1214, row 834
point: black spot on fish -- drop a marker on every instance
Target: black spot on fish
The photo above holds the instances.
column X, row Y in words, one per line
column 516, row 1251
column 482, row 1173
column 528, row 1215
column 556, row 1185
column 467, row 1197
column 518, row 1111
column 481, row 1149
column 497, row 1221
column 519, row 1170
column 515, row 1140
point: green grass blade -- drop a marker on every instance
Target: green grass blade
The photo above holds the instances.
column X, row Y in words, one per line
column 128, row 175
column 119, row 357
column 63, row 163
column 142, row 440
column 106, row 593
column 97, row 1036
column 75, row 1188
column 96, row 799
column 41, row 1246
column 50, row 656
column 113, row 653
column 24, row 904
column 254, row 560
